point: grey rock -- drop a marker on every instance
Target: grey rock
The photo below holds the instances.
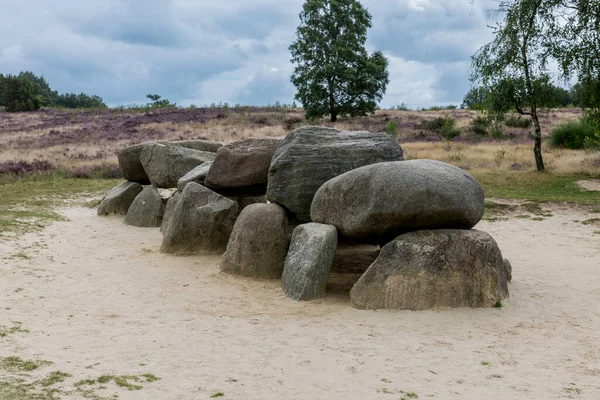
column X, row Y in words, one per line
column 310, row 156
column 259, row 243
column 165, row 165
column 200, row 221
column 119, row 198
column 350, row 262
column 198, row 144
column 245, row 201
column 241, row 168
column 147, row 209
column 309, row 260
column 508, row 270
column 130, row 164
column 197, row 175
column 378, row 202
column 171, row 203
column 434, row 268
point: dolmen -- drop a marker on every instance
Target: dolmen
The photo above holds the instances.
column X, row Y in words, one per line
column 293, row 209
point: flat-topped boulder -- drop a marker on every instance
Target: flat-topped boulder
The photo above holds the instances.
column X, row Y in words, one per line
column 166, row 164
column 147, row 209
column 310, row 156
column 241, row 168
column 131, row 165
column 199, row 220
column 259, row 243
column 197, row 175
column 376, row 203
column 434, row 268
column 119, row 199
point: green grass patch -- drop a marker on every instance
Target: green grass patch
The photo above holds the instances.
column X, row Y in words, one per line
column 29, row 203
column 16, row 364
column 17, row 328
column 54, row 377
column 593, row 221
column 535, row 186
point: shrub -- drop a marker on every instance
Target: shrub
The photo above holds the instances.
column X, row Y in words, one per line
column 392, row 129
column 445, row 126
column 572, row 135
column 518, row 122
column 480, row 125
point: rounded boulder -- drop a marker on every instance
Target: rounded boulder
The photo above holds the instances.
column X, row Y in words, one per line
column 376, row 203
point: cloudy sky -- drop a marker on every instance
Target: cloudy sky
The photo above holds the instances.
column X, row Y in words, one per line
column 236, row 51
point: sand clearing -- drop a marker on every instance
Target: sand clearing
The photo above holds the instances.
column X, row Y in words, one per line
column 590, row 184
column 94, row 292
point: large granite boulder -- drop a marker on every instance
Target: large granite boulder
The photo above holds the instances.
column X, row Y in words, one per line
column 130, row 164
column 310, row 156
column 434, row 268
column 170, row 206
column 378, row 202
column 197, row 175
column 198, row 144
column 245, row 201
column 308, row 262
column 132, row 168
column 147, row 209
column 200, row 220
column 259, row 242
column 241, row 168
column 119, row 198
column 166, row 164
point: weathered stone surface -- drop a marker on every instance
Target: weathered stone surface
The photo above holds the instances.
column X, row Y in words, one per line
column 378, row 202
column 200, row 221
column 308, row 262
column 165, row 165
column 198, row 144
column 508, row 270
column 438, row 268
column 350, row 262
column 259, row 243
column 245, row 201
column 171, row 203
column 147, row 209
column 241, row 168
column 130, row 164
column 119, row 198
column 197, row 175
column 310, row 156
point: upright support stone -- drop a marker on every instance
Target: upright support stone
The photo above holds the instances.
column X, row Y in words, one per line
column 309, row 260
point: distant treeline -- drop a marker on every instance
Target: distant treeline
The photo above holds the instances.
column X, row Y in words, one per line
column 584, row 94
column 28, row 92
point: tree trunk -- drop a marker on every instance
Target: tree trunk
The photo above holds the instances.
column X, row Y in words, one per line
column 537, row 148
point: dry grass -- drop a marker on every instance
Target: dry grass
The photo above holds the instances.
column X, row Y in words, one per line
column 505, row 156
column 22, row 136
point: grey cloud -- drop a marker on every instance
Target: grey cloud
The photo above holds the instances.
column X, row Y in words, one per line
column 236, row 51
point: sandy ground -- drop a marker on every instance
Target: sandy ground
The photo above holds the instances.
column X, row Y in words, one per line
column 95, row 293
column 590, row 184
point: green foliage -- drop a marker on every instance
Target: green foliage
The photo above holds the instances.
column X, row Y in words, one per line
column 573, row 134
column 158, row 102
column 19, row 94
column 475, row 98
column 392, row 129
column 400, row 107
column 518, row 122
column 81, row 100
column 444, row 126
column 334, row 74
column 480, row 125
column 28, row 92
